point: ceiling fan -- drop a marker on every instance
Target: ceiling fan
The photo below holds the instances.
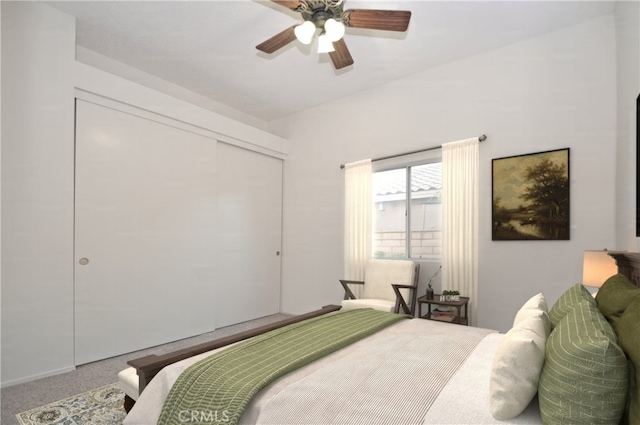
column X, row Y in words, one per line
column 329, row 17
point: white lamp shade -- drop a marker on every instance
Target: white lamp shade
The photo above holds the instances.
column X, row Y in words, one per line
column 304, row 32
column 325, row 45
column 334, row 29
column 597, row 267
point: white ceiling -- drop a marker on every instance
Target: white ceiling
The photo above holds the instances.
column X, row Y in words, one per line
column 208, row 47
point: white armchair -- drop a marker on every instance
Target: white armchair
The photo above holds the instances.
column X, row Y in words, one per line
column 389, row 285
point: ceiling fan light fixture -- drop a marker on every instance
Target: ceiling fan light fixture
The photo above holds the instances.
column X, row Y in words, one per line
column 334, row 29
column 325, row 45
column 305, row 31
column 329, row 19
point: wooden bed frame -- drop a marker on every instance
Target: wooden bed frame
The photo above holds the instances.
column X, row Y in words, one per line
column 147, row 367
column 628, row 265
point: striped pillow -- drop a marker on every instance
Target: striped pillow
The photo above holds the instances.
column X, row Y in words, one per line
column 585, row 377
column 567, row 301
column 629, row 339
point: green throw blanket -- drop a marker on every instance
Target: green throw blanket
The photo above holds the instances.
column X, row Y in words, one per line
column 219, row 387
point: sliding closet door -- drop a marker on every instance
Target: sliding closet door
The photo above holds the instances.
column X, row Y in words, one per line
column 249, row 234
column 145, row 233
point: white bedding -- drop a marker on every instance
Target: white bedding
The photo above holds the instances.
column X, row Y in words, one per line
column 390, row 377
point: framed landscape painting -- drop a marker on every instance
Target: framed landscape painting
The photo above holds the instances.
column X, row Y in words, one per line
column 530, row 196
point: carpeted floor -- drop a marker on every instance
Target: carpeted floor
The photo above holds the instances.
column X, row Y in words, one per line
column 24, row 397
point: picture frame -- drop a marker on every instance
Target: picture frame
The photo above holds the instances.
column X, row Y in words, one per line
column 530, row 196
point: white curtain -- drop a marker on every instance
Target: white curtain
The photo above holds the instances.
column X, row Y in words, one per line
column 460, row 163
column 357, row 220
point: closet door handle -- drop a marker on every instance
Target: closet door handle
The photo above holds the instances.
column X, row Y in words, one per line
column 83, row 261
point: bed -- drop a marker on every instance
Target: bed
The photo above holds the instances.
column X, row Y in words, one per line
column 426, row 372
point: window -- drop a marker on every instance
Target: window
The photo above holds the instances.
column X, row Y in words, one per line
column 396, row 215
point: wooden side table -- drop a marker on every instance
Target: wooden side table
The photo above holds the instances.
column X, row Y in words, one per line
column 460, row 319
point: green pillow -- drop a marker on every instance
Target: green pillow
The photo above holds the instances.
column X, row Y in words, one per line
column 585, row 376
column 629, row 339
column 567, row 301
column 614, row 297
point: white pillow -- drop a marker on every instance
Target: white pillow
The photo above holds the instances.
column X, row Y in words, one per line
column 535, row 306
column 516, row 367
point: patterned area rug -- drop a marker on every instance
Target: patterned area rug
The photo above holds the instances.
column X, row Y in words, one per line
column 103, row 406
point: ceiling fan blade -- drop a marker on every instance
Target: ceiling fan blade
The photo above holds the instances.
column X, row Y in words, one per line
column 341, row 56
column 388, row 20
column 277, row 41
column 291, row 4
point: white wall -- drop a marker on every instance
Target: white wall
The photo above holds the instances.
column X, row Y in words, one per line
column 40, row 78
column 96, row 60
column 551, row 92
column 37, row 190
column 627, row 17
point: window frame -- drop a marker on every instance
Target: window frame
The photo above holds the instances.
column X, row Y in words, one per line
column 430, row 156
